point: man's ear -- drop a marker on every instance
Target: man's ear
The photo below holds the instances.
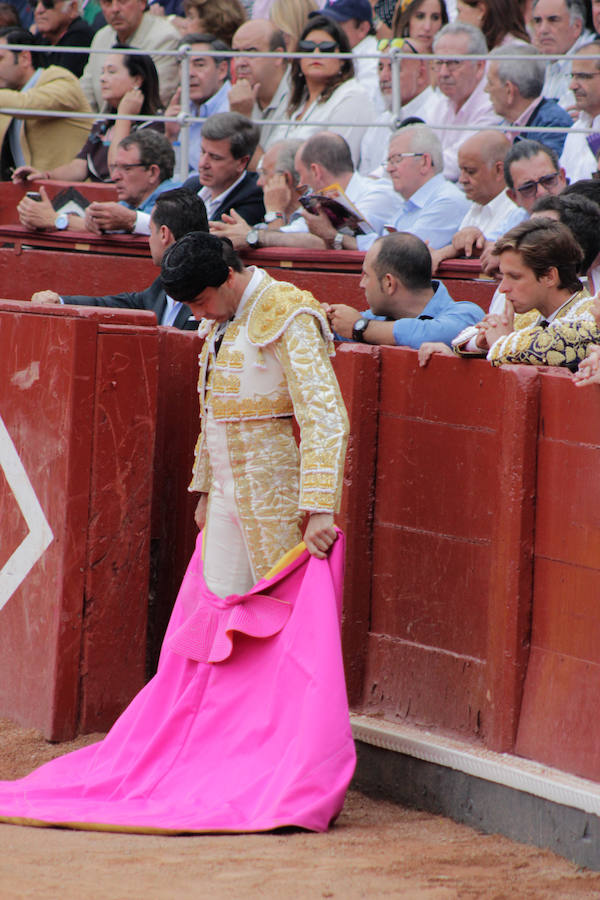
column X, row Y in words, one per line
column 512, row 194
column 551, row 277
column 389, row 283
column 166, row 236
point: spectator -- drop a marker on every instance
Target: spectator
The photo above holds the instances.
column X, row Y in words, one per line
column 501, row 21
column 433, row 207
column 130, row 24
column 9, row 16
column 582, row 217
column 262, row 86
column 224, row 183
column 559, row 28
column 462, row 84
column 323, row 160
column 129, row 85
column 405, row 306
column 175, row 213
column 539, row 261
column 419, row 20
column 38, row 141
column 290, row 17
column 324, row 91
column 578, row 158
column 60, row 25
column 209, row 88
column 492, row 212
column 355, row 17
column 530, row 170
column 222, row 18
column 515, row 88
column 416, row 94
column 142, row 170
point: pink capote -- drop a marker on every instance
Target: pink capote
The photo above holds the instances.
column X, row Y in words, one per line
column 244, row 727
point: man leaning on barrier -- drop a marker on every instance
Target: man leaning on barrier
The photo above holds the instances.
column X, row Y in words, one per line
column 406, row 307
column 142, row 170
column 175, row 213
column 39, row 141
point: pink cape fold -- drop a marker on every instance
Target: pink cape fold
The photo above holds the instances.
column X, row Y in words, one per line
column 256, row 739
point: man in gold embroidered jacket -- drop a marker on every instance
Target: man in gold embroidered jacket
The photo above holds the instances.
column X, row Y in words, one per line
column 265, row 359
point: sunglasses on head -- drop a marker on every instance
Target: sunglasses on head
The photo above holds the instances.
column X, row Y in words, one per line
column 395, row 44
column 323, row 46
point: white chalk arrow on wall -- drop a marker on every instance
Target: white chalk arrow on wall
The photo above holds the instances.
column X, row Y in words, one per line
column 21, row 562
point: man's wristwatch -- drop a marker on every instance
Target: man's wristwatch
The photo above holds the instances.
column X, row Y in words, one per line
column 252, row 237
column 338, row 241
column 61, row 221
column 358, row 330
column 271, row 216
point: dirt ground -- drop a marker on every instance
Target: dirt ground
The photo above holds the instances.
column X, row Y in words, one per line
column 376, row 849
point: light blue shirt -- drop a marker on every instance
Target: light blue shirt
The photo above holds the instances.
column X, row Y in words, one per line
column 219, row 102
column 441, row 320
column 434, row 213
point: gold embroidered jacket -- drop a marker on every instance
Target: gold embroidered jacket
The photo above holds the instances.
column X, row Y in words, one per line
column 273, row 363
column 559, row 343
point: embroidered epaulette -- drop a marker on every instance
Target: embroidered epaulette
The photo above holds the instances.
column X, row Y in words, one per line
column 275, row 309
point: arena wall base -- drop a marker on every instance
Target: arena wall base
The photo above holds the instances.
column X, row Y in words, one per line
column 496, row 793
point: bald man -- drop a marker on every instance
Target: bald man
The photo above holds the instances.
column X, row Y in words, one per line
column 261, row 87
column 492, row 212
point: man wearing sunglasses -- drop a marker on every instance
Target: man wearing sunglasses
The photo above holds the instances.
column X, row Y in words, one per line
column 60, row 25
column 41, row 142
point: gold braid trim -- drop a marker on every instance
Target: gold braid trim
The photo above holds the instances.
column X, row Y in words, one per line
column 279, row 304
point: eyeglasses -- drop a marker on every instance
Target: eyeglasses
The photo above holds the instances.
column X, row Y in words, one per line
column 397, row 158
column 49, row 4
column 451, row 64
column 323, row 47
column 529, row 189
column 395, row 44
column 126, row 167
column 583, row 76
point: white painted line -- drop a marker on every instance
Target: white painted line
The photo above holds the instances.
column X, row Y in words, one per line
column 17, row 567
column 501, row 768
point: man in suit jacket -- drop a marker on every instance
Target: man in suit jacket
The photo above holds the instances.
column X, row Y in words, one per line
column 39, row 141
column 228, row 143
column 175, row 213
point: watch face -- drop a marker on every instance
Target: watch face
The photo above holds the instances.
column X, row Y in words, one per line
column 61, row 222
column 252, row 237
column 360, row 325
column 271, row 216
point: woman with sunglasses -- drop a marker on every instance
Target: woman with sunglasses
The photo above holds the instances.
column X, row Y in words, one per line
column 129, row 86
column 419, row 20
column 324, row 94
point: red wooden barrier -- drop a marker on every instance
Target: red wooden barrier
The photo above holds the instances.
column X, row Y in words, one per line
column 455, row 442
column 77, row 399
column 560, row 724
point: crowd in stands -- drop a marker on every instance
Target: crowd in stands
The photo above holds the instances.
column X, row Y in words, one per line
column 436, row 158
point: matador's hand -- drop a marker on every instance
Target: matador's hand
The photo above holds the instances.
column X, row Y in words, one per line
column 200, row 514
column 320, row 534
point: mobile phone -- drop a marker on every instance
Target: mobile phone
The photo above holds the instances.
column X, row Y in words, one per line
column 34, row 195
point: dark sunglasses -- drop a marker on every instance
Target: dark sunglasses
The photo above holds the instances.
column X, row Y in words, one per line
column 47, row 4
column 311, row 46
column 529, row 189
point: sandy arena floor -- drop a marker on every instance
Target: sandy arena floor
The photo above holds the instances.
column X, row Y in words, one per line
column 376, row 849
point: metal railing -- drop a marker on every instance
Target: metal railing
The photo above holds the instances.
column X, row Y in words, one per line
column 185, row 119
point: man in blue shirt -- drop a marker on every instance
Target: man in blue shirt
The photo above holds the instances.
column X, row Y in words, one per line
column 406, row 306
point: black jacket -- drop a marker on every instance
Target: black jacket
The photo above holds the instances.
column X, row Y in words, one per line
column 78, row 34
column 246, row 198
column 153, row 299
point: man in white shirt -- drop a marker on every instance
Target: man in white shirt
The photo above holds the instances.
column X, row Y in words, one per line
column 129, row 23
column 416, row 95
column 209, row 89
column 322, row 160
column 462, row 83
column 492, row 212
column 356, row 19
column 559, row 27
column 431, row 207
column 261, row 86
column 578, row 159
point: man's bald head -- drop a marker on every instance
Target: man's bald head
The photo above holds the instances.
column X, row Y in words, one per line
column 481, row 165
